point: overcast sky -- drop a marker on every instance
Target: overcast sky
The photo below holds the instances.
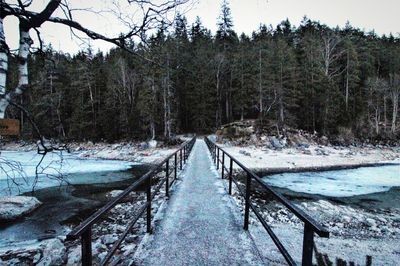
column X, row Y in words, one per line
column 382, row 16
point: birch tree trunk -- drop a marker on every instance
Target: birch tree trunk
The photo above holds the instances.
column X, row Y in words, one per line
column 23, row 51
column 3, row 70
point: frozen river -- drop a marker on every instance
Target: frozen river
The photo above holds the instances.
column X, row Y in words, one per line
column 89, row 180
column 74, row 170
column 341, row 183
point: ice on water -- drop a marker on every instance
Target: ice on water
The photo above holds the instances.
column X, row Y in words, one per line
column 70, row 165
column 341, row 183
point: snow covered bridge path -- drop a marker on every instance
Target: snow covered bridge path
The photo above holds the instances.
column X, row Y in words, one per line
column 199, row 224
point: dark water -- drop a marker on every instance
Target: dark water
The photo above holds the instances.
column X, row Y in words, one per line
column 66, row 205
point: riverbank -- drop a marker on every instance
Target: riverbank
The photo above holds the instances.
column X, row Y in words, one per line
column 312, row 158
column 139, row 152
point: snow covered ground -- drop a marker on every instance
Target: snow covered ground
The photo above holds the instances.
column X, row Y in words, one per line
column 262, row 158
column 341, row 183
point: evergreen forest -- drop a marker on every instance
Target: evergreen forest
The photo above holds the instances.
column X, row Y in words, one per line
column 185, row 79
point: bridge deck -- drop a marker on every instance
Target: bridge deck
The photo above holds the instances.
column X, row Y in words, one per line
column 199, row 225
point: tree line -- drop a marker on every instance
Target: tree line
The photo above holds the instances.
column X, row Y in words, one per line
column 312, row 77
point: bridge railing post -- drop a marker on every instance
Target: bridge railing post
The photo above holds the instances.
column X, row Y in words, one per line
column 167, row 179
column 86, row 247
column 148, row 197
column 230, row 176
column 175, row 165
column 308, row 245
column 223, row 164
column 214, row 153
column 180, row 159
column 247, row 202
column 217, row 158
column 184, row 155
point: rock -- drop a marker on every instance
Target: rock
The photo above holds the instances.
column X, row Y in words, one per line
column 79, row 148
column 152, row 143
column 276, row 143
column 74, row 256
column 98, row 247
column 13, row 207
column 37, row 258
column 346, row 219
column 370, row 222
column 303, row 145
column 108, row 239
column 321, row 151
column 131, row 238
column 143, row 146
column 213, row 138
column 253, row 138
column 324, row 140
column 245, row 153
column 128, row 249
column 383, row 220
column 53, row 253
column 116, row 146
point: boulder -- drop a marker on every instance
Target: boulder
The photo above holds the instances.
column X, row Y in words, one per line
column 54, row 253
column 152, row 143
column 143, row 146
column 13, row 207
column 213, row 138
column 276, row 143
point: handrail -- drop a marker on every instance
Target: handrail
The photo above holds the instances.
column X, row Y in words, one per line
column 84, row 230
column 310, row 225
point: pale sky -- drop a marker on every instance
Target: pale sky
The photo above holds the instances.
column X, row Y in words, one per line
column 381, row 16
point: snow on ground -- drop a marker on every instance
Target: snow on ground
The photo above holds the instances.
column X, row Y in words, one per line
column 341, row 183
column 147, row 156
column 145, row 152
column 261, row 158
